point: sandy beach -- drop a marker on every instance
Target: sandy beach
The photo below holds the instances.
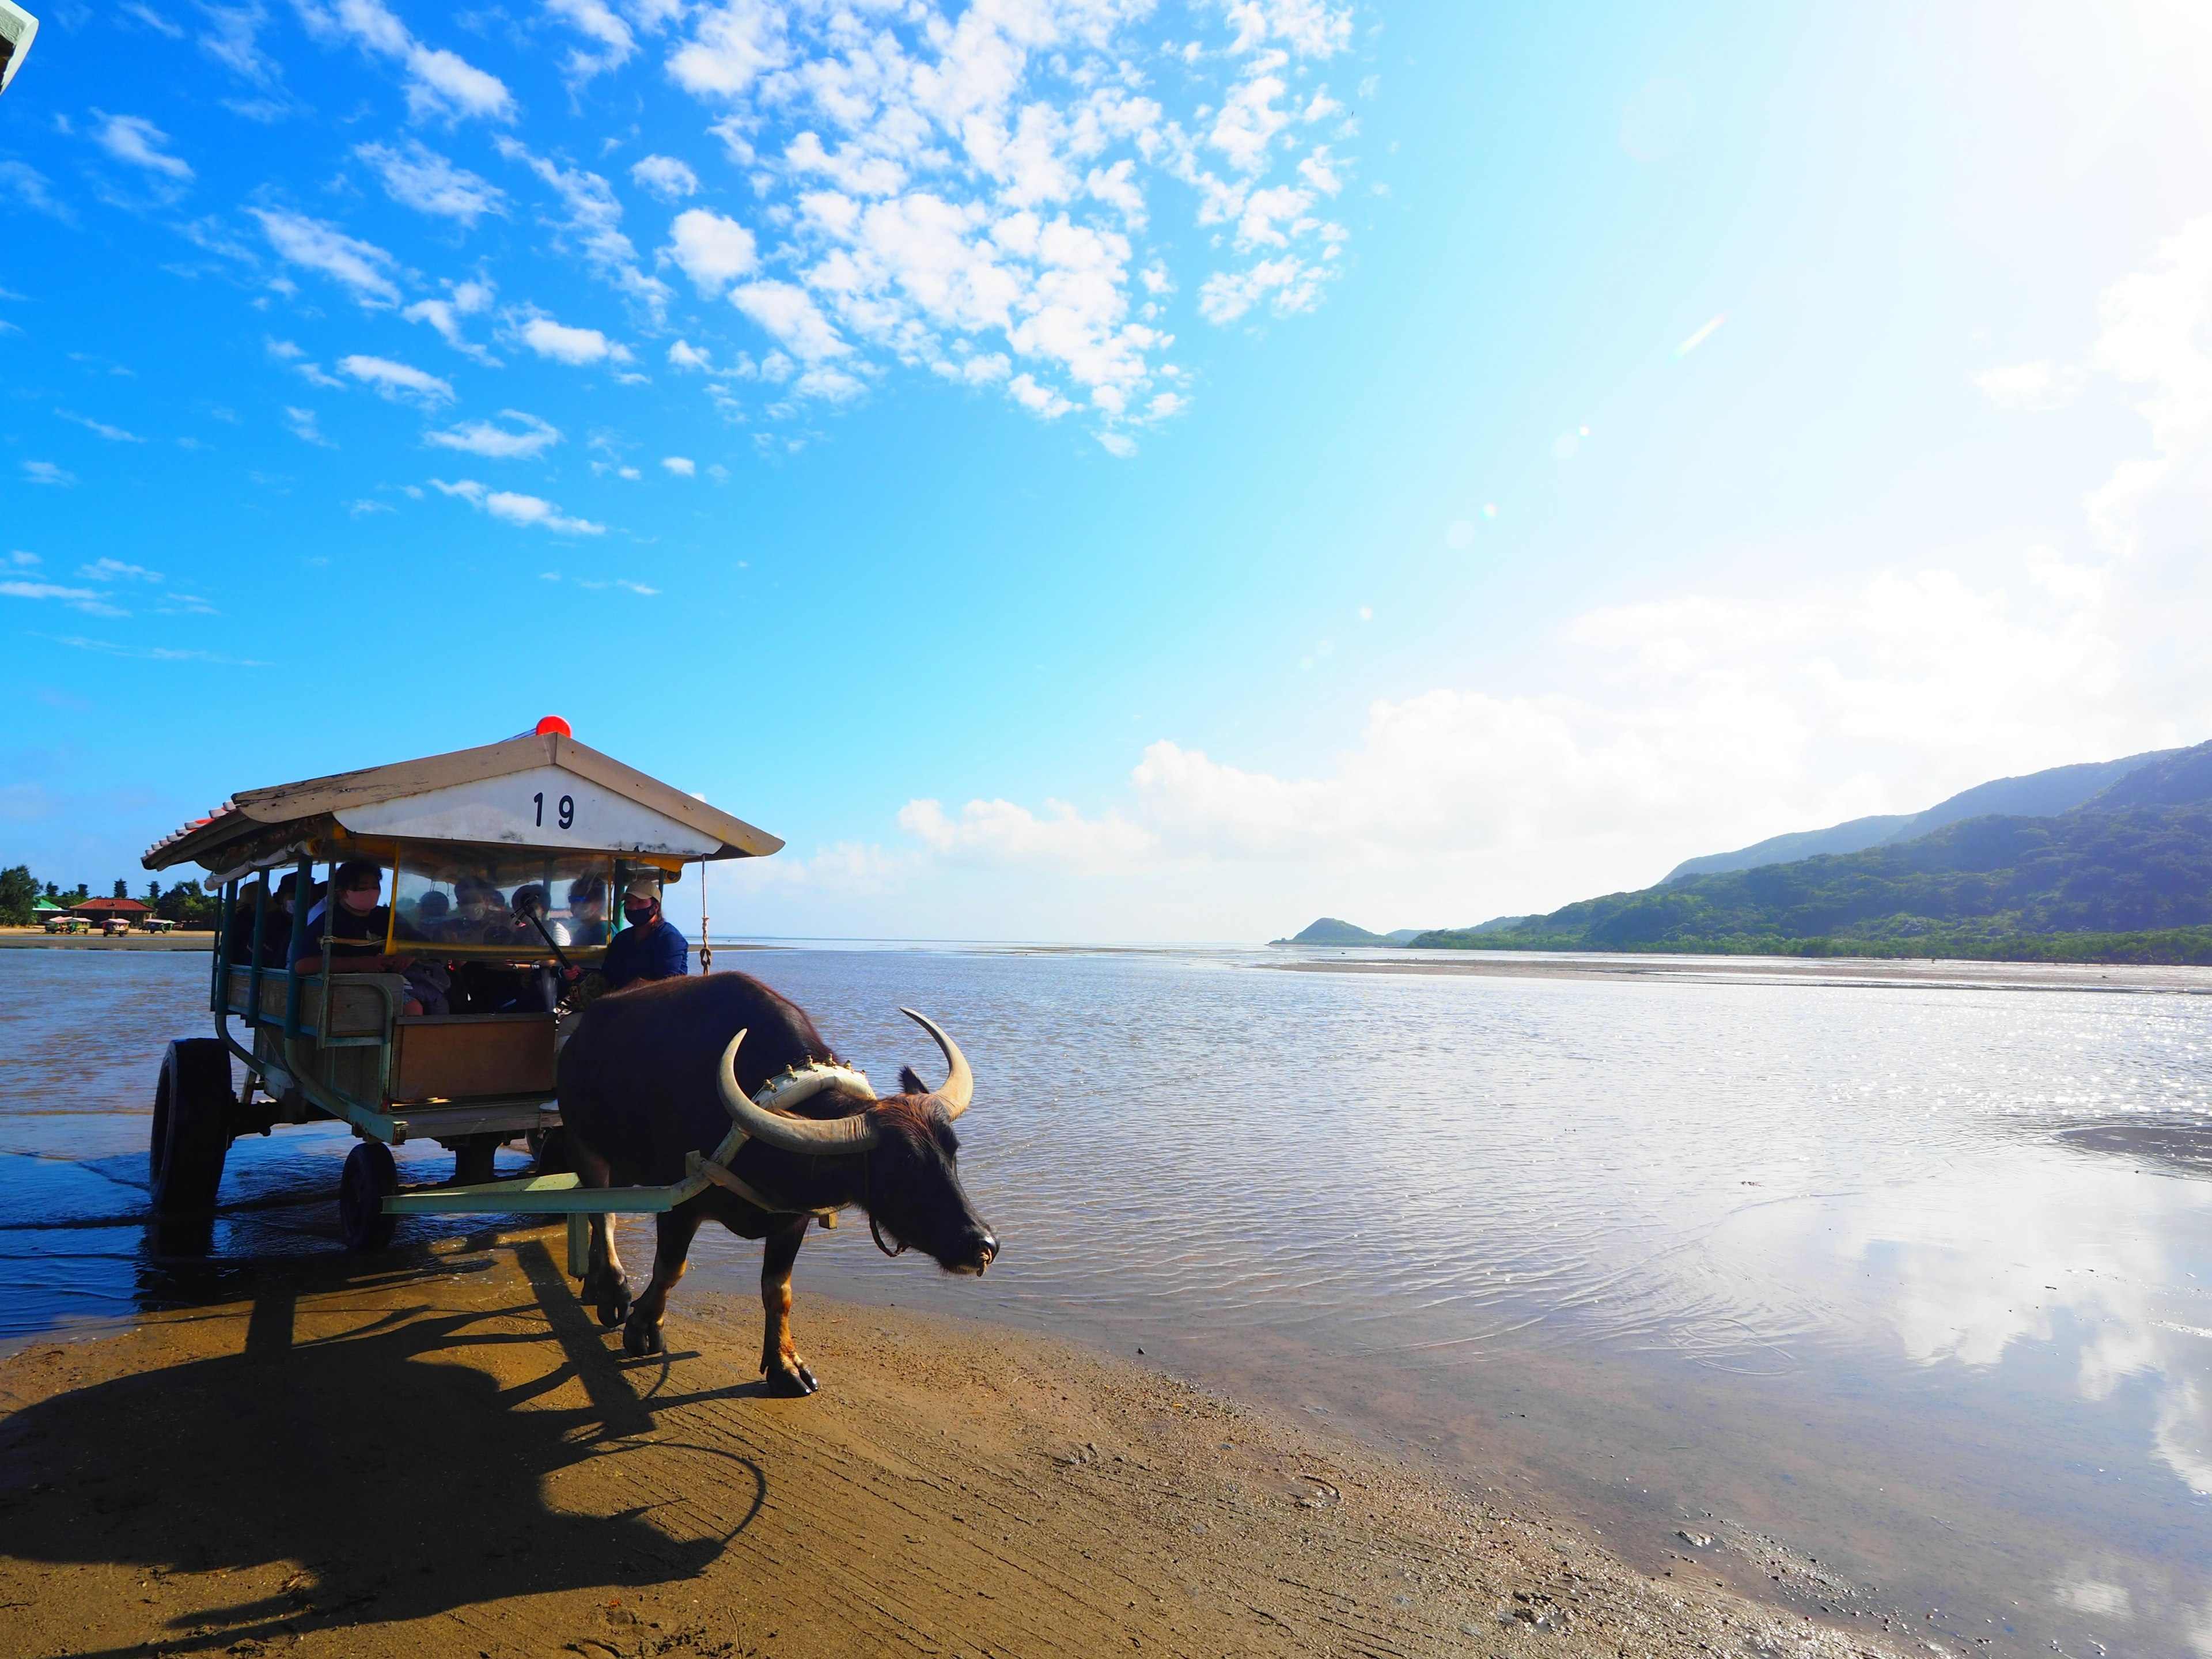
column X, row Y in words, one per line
column 442, row 1452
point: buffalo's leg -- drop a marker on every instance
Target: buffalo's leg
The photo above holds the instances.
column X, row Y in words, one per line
column 787, row 1373
column 641, row 1334
column 605, row 1289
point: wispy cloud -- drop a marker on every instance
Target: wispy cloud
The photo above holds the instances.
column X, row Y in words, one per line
column 467, row 299
column 362, row 267
column 138, row 141
column 401, row 382
column 115, row 570
column 439, row 82
column 26, row 185
column 76, row 599
column 46, row 472
column 534, row 438
column 417, row 176
column 564, row 344
column 153, row 653
column 286, row 352
column 302, row 422
column 682, row 466
column 533, row 511
column 112, row 433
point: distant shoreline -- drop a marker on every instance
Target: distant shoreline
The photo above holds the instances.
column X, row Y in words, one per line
column 37, row 938
column 1863, row 972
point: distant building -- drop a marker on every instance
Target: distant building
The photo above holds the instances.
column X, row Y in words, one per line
column 100, row 909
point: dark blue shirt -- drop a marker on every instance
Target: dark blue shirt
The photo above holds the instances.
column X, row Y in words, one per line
column 656, row 951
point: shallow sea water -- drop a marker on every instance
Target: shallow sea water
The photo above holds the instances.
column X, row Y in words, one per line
column 1900, row 1294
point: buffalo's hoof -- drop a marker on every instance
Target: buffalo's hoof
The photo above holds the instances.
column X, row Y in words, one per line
column 791, row 1382
column 610, row 1298
column 641, row 1336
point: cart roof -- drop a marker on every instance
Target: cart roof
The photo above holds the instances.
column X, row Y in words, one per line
column 504, row 794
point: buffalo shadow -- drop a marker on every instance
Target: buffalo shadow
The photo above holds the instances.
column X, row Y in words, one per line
column 407, row 1484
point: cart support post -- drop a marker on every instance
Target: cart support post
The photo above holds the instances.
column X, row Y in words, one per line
column 580, row 1245
column 298, row 948
column 253, row 974
column 217, row 986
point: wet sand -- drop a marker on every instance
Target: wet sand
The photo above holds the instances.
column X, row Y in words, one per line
column 440, row 1452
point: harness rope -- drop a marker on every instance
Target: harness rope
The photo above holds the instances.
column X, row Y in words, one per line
column 716, row 1168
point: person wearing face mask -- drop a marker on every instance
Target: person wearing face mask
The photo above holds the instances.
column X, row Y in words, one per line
column 358, row 926
column 650, row 947
column 275, row 942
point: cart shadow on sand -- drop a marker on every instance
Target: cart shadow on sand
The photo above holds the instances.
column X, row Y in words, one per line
column 399, row 1454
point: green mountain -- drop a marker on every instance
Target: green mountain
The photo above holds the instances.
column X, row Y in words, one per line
column 2038, row 794
column 1329, row 931
column 2126, row 872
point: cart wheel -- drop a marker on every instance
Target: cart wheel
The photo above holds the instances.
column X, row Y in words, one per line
column 549, row 1152
column 193, row 1108
column 370, row 1177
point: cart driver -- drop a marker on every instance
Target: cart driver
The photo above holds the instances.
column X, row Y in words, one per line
column 357, row 930
column 650, row 947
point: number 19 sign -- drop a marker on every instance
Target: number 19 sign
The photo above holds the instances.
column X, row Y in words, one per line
column 547, row 807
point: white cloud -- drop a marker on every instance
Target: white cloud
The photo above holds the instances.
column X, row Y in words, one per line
column 788, row 312
column 2036, row 385
column 134, row 139
column 33, row 189
column 1312, row 28
column 612, row 45
column 76, row 599
column 665, row 177
column 418, row 176
column 401, row 382
column 116, row 570
column 531, row 511
column 234, row 42
column 112, row 433
column 564, row 344
column 533, row 439
column 444, row 315
column 681, row 466
column 1290, row 284
column 731, row 46
column 594, row 225
column 362, row 267
column 302, row 422
column 946, row 188
column 46, row 472
column 439, row 82
column 681, row 355
column 713, row 250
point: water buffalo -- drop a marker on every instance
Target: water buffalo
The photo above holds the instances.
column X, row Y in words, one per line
column 661, row 1069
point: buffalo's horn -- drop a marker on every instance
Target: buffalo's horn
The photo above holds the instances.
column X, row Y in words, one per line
column 793, row 1134
column 959, row 1086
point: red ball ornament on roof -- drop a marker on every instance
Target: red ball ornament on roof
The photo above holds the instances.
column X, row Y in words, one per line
column 554, row 726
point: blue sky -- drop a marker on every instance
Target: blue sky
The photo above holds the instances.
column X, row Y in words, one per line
column 1107, row 470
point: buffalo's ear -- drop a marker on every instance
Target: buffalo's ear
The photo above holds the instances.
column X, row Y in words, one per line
column 910, row 1081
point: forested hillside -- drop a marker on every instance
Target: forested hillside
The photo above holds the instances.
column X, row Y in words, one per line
column 1991, row 885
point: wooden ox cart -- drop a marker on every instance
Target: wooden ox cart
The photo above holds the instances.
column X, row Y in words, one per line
column 481, row 849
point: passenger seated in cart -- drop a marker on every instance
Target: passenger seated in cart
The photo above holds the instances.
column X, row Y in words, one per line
column 480, row 914
column 587, row 912
column 357, row 929
column 275, row 943
column 650, row 947
column 433, row 913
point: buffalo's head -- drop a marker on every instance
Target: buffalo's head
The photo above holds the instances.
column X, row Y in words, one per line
column 910, row 1174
